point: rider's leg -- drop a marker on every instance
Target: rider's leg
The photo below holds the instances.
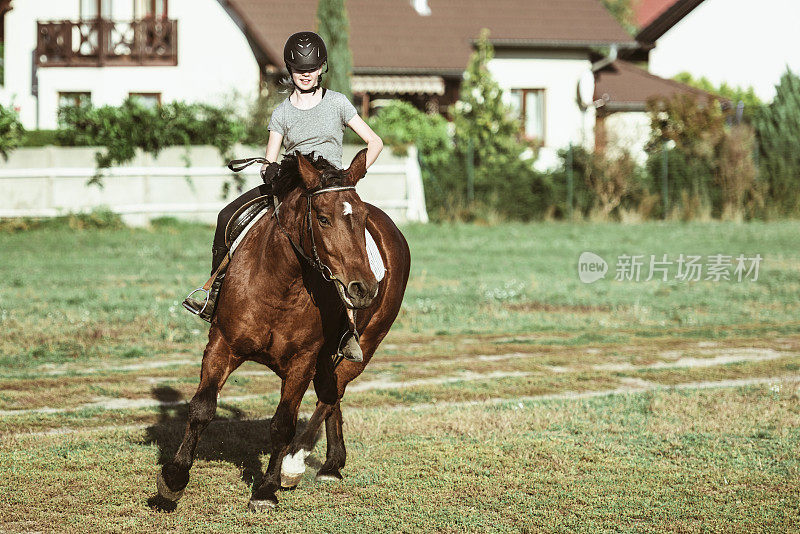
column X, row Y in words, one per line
column 351, row 350
column 204, row 308
column 219, row 250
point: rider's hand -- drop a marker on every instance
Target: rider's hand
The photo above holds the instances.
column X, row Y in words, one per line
column 269, row 171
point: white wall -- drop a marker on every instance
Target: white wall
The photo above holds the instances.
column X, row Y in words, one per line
column 50, row 181
column 214, row 59
column 558, row 74
column 742, row 42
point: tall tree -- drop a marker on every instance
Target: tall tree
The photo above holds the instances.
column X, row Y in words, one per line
column 778, row 129
column 480, row 115
column 334, row 28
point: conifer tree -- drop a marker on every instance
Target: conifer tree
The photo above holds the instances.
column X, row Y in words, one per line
column 481, row 115
column 334, row 28
column 778, row 128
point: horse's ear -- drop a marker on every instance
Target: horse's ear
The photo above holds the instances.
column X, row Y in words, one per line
column 308, row 174
column 358, row 168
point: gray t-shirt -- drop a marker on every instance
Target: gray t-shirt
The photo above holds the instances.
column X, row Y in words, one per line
column 319, row 129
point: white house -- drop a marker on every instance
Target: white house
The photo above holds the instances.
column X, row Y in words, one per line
column 203, row 50
column 741, row 42
column 65, row 51
column 417, row 50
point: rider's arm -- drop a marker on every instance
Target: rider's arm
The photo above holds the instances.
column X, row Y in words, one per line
column 374, row 142
column 273, row 148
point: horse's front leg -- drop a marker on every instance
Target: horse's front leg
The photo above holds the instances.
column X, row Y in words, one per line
column 218, row 364
column 282, row 431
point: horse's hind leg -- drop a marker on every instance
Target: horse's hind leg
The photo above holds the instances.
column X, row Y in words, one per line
column 293, row 464
column 336, row 454
column 218, row 363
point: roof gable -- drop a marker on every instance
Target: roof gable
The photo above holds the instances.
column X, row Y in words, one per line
column 646, row 11
column 661, row 21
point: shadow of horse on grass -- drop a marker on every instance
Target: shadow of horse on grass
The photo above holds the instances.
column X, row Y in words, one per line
column 231, row 437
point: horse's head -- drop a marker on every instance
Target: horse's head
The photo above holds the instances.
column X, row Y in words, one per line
column 335, row 226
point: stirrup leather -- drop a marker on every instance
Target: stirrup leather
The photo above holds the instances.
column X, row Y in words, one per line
column 212, row 285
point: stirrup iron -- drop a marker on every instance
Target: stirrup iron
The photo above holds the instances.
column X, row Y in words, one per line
column 205, row 302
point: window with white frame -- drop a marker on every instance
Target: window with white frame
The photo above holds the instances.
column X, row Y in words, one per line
column 149, row 100
column 529, row 106
column 74, row 98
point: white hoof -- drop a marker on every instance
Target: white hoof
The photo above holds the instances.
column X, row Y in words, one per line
column 261, row 506
column 327, row 478
column 164, row 490
column 293, row 467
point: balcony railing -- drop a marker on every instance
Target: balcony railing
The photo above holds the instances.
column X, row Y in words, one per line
column 100, row 42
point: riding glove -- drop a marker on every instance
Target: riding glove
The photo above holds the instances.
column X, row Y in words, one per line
column 270, row 172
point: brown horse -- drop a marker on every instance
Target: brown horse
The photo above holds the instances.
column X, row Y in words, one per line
column 292, row 287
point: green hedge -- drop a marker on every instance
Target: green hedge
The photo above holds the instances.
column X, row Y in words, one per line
column 123, row 129
column 11, row 131
column 36, row 138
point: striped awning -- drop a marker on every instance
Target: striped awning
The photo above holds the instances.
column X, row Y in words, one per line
column 423, row 85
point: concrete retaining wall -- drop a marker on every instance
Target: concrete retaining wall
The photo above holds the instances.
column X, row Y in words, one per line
column 188, row 184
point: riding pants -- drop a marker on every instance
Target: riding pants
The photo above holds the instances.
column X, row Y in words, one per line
column 219, row 249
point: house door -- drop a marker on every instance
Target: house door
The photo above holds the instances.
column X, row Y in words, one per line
column 85, row 36
column 150, row 9
column 91, row 9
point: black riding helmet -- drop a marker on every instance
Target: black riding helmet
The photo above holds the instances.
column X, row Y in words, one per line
column 305, row 51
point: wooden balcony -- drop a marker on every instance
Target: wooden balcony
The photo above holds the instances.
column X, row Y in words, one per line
column 100, row 42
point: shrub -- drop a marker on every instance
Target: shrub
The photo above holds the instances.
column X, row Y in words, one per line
column 97, row 218
column 601, row 184
column 36, row 138
column 123, row 129
column 401, row 125
column 709, row 162
column 11, row 131
column 736, row 173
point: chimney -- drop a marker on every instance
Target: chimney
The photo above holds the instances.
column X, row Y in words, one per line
column 422, row 7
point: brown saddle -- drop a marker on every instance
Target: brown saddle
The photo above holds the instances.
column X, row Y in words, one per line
column 244, row 216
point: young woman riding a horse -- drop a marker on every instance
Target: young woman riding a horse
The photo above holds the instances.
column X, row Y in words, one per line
column 299, row 278
column 310, row 120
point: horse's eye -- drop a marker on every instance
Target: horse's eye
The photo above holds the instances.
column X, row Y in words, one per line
column 323, row 220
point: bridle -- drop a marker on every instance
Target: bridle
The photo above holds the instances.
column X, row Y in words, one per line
column 315, row 261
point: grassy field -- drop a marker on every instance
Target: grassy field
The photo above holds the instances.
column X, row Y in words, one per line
column 509, row 396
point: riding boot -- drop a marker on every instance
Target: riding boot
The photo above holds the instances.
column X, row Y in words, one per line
column 205, row 308
column 351, row 349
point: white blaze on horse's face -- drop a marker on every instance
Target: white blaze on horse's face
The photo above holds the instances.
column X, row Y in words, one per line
column 348, row 209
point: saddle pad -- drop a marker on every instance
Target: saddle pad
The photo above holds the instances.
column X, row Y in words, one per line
column 374, row 255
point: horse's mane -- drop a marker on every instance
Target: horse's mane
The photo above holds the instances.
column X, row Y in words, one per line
column 288, row 177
